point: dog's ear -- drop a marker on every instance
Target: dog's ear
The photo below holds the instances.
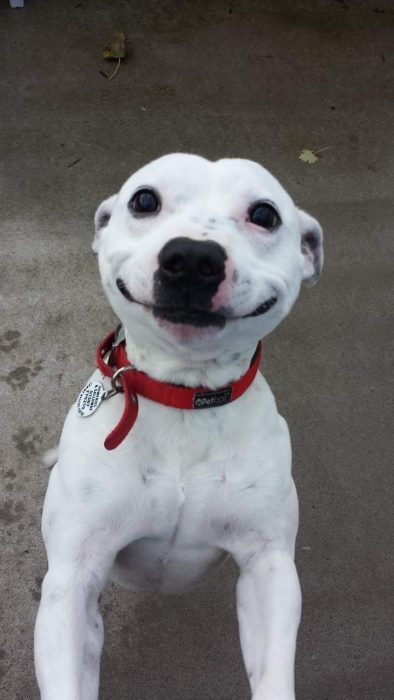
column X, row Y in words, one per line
column 311, row 248
column 101, row 219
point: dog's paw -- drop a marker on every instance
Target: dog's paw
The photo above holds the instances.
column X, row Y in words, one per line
column 272, row 695
column 272, row 689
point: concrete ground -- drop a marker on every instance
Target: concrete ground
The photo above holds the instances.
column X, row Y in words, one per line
column 264, row 80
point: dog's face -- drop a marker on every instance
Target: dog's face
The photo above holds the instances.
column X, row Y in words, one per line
column 197, row 256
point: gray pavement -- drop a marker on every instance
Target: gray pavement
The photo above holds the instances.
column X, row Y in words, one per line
column 262, row 80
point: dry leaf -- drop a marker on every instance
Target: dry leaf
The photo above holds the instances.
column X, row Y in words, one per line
column 117, row 48
column 309, row 156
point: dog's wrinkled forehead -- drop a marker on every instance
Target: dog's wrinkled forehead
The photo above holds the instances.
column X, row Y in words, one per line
column 184, row 180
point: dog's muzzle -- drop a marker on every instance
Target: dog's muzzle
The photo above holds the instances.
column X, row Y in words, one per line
column 187, row 278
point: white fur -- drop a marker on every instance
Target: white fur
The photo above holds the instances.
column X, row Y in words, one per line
column 185, row 488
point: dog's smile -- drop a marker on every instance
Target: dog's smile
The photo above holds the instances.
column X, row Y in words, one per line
column 194, row 317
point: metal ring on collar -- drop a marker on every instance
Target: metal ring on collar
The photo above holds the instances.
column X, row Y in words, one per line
column 116, row 387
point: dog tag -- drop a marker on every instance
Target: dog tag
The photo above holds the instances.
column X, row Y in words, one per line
column 90, row 399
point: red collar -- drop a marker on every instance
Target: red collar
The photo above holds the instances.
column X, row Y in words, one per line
column 113, row 362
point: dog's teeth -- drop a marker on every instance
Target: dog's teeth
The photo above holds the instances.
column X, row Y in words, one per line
column 264, row 307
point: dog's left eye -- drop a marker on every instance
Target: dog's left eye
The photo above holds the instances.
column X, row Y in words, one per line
column 264, row 215
column 144, row 201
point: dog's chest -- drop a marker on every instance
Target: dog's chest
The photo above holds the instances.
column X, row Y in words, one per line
column 184, row 463
column 183, row 484
column 201, row 484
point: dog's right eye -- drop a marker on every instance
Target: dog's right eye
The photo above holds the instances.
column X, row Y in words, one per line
column 144, row 201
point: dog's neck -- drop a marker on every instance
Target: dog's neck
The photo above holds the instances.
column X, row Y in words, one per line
column 187, row 371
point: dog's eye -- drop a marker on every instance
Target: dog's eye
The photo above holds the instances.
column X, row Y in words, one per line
column 264, row 215
column 144, row 201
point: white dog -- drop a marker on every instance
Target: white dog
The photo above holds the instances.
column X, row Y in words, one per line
column 174, row 455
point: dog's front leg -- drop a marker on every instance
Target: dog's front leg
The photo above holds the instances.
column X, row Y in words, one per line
column 69, row 629
column 82, row 537
column 268, row 607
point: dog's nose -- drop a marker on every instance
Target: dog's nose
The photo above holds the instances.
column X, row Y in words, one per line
column 197, row 264
column 187, row 278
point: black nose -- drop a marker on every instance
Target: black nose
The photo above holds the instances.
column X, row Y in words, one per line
column 189, row 273
column 197, row 263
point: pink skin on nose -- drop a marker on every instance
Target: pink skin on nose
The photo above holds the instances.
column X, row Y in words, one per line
column 222, row 296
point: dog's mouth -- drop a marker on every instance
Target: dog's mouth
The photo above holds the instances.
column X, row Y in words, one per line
column 194, row 317
column 263, row 308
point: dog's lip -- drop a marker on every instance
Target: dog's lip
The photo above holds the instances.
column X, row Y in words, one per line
column 215, row 316
column 123, row 290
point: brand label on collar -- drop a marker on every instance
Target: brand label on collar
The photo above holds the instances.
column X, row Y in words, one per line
column 210, row 399
column 90, row 399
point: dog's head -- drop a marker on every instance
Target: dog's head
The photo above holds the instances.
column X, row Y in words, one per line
column 196, row 255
